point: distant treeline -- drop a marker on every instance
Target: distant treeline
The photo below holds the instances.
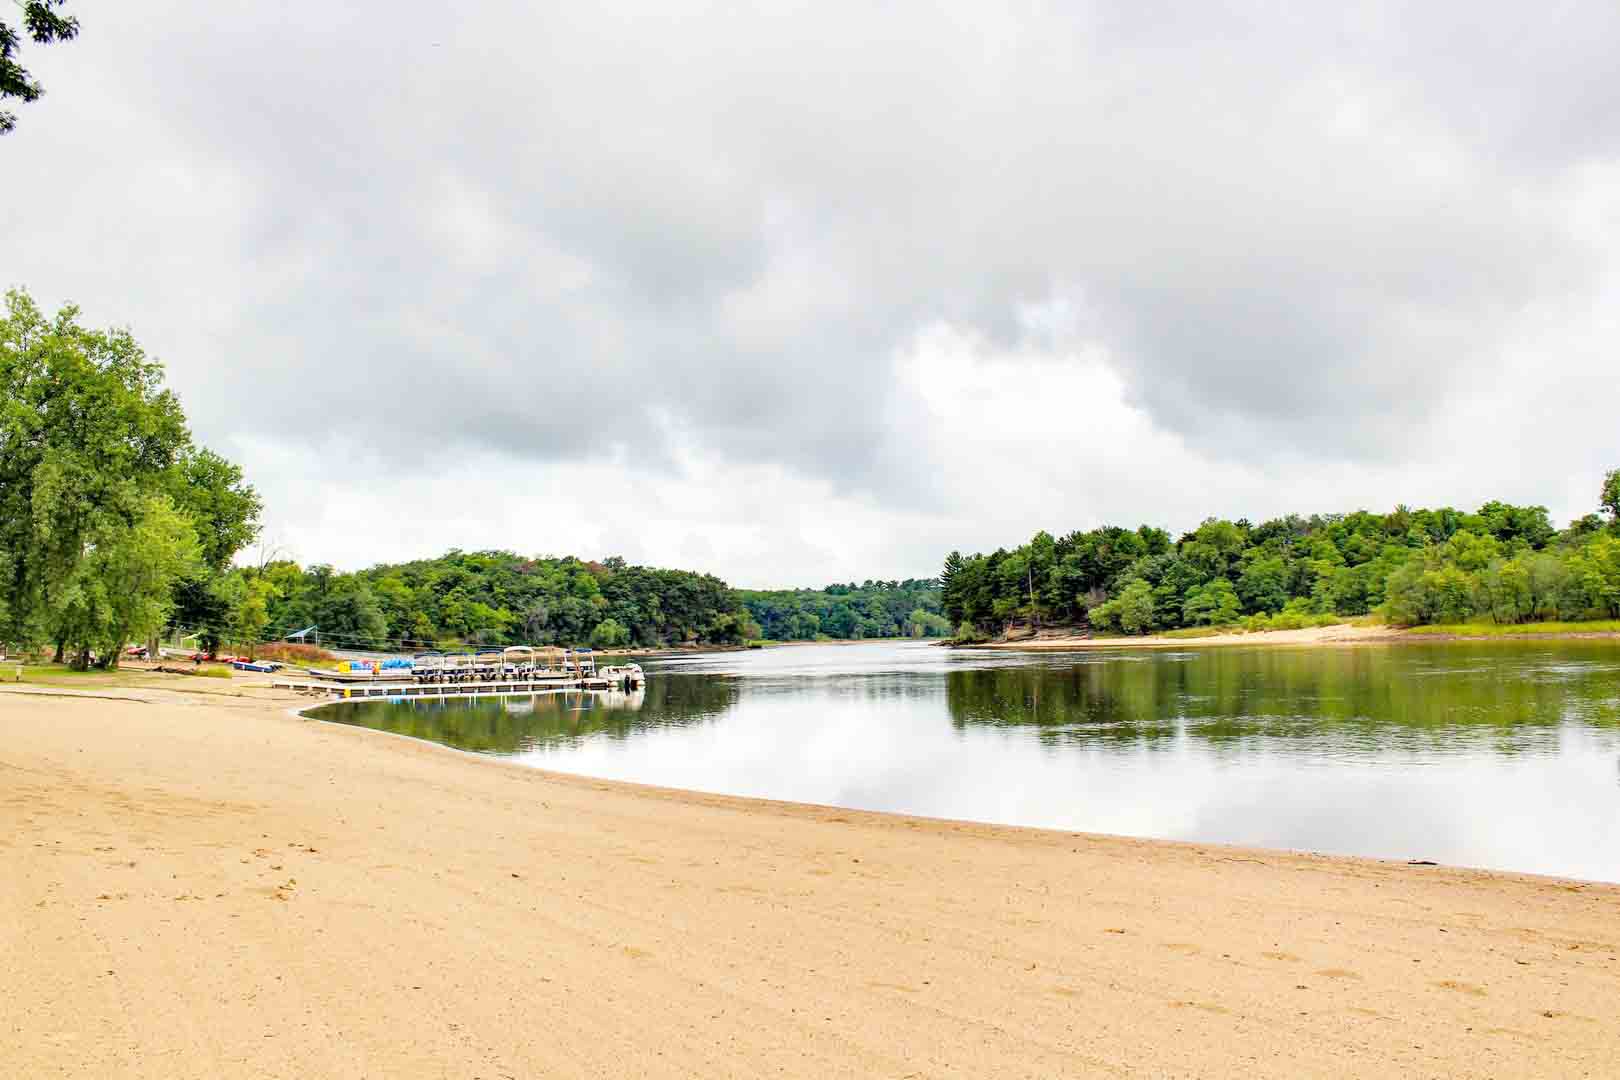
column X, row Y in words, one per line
column 115, row 526
column 875, row 609
column 1503, row 562
column 498, row 598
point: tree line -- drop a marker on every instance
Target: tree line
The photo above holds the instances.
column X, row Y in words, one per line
column 1503, row 562
column 875, row 609
column 115, row 526
column 497, row 598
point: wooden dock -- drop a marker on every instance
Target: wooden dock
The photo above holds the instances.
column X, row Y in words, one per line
column 402, row 688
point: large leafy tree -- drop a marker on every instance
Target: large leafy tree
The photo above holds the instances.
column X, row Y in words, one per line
column 43, row 24
column 122, row 589
column 96, row 510
column 1610, row 496
column 224, row 510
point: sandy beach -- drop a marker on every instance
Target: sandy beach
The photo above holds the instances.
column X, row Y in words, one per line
column 199, row 884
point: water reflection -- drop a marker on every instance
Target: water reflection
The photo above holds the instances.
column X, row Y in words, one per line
column 1500, row 754
column 1326, row 703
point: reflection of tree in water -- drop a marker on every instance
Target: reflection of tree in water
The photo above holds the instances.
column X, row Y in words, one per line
column 512, row 725
column 1507, row 699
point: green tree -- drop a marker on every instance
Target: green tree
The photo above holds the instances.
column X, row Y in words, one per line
column 43, row 26
column 1263, row 585
column 224, row 508
column 1597, row 569
column 1507, row 582
column 1471, row 551
column 250, row 611
column 609, row 634
column 1136, row 608
column 122, row 589
column 88, row 436
column 1609, row 498
column 949, row 582
column 1214, row 548
column 922, row 623
column 1214, row 603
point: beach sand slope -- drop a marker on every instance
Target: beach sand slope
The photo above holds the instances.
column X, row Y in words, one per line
column 204, row 886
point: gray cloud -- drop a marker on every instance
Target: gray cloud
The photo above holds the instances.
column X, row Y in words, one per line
column 569, row 234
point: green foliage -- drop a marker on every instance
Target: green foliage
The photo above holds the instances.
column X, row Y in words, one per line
column 121, row 590
column 1136, row 608
column 609, row 634
column 1131, row 611
column 1609, row 497
column 875, row 609
column 1492, row 629
column 499, row 598
column 223, row 508
column 1214, row 603
column 95, row 461
column 1412, row 566
column 43, row 26
column 250, row 610
column 922, row 623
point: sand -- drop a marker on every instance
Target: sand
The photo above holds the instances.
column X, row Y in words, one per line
column 198, row 885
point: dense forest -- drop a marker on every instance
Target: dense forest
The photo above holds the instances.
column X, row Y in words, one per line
column 876, row 609
column 1504, row 563
column 498, row 598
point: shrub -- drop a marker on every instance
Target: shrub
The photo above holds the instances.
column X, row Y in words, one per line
column 967, row 633
column 289, row 652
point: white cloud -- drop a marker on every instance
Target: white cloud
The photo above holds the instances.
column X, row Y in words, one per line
column 833, row 290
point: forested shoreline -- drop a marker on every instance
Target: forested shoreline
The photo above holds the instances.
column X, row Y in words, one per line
column 874, row 609
column 116, row 526
column 1411, row 567
column 500, row 598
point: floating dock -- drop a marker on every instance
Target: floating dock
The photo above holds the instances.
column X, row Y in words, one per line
column 400, row 688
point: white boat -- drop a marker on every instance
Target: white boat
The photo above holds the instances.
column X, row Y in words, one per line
column 627, row 676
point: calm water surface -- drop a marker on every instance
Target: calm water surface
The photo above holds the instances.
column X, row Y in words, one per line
column 1502, row 755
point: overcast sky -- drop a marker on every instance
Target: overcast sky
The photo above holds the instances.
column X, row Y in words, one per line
column 820, row 292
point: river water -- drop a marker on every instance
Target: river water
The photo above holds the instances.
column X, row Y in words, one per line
column 1497, row 754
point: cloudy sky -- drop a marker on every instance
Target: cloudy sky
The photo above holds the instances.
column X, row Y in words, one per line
column 819, row 292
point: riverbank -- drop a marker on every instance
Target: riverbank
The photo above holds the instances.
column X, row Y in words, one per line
column 1338, row 634
column 200, row 884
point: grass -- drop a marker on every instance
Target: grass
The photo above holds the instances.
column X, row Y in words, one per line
column 63, row 677
column 1594, row 626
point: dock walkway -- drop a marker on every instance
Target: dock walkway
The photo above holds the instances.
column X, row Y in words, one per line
column 400, row 688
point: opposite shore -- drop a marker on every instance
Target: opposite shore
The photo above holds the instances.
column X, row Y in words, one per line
column 202, row 883
column 1337, row 634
